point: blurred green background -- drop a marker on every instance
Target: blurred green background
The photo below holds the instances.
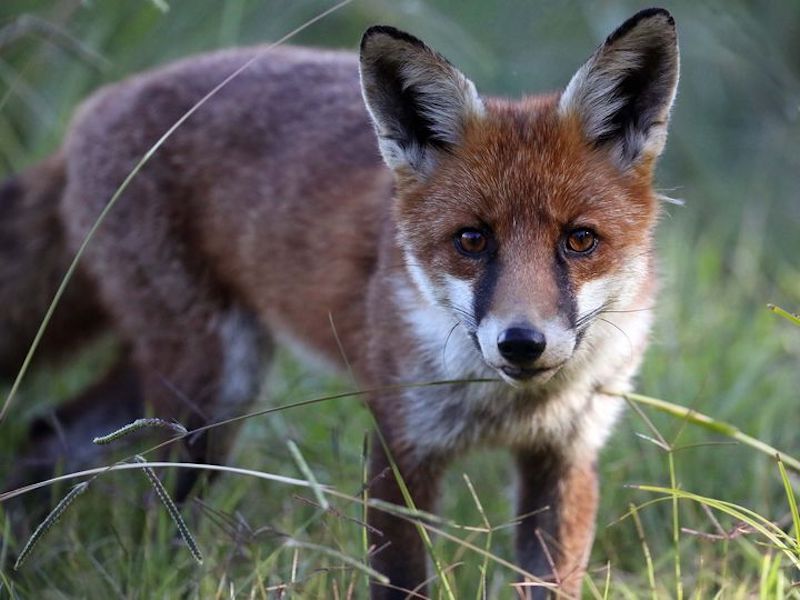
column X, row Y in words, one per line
column 733, row 156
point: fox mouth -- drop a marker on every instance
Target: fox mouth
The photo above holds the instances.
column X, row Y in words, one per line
column 522, row 375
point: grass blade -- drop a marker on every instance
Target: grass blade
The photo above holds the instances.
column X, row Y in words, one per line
column 49, row 521
column 762, row 525
column 785, row 314
column 175, row 465
column 696, row 418
column 676, row 529
column 136, row 426
column 365, row 496
column 343, row 557
column 173, row 511
column 308, row 474
column 787, row 484
column 481, row 593
column 651, row 573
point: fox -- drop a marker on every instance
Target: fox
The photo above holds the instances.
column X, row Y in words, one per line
column 372, row 207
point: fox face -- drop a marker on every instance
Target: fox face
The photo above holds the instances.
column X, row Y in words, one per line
column 525, row 221
column 525, row 233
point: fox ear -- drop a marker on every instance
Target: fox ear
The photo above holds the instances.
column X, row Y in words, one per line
column 623, row 94
column 418, row 101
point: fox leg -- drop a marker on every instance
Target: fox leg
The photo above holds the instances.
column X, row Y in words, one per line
column 557, row 504
column 397, row 548
column 200, row 372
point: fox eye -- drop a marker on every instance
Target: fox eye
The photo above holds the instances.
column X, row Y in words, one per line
column 471, row 242
column 581, row 241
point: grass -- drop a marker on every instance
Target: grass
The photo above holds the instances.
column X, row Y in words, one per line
column 240, row 519
column 703, row 505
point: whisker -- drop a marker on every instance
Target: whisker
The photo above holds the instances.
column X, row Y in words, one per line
column 452, row 306
column 629, row 310
column 444, row 347
column 589, row 316
column 465, row 314
column 669, row 200
column 603, row 309
column 618, row 328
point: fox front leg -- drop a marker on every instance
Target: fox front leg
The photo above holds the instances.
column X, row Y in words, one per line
column 557, row 505
column 397, row 549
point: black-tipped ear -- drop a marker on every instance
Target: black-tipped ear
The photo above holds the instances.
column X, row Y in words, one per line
column 418, row 101
column 623, row 93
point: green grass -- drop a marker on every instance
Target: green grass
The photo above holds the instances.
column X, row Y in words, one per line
column 716, row 349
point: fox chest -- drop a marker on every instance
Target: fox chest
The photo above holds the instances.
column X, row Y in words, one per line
column 452, row 419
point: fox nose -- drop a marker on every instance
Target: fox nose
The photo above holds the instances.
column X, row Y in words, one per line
column 521, row 346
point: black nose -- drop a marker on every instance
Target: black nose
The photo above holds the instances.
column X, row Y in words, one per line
column 521, row 346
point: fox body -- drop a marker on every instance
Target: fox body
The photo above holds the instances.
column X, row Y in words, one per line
column 480, row 238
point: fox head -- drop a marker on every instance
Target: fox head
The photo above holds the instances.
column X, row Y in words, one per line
column 526, row 220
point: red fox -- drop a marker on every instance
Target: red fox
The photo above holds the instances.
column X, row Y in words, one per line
column 481, row 238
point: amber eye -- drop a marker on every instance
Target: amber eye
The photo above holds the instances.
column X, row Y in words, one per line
column 581, row 241
column 471, row 242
